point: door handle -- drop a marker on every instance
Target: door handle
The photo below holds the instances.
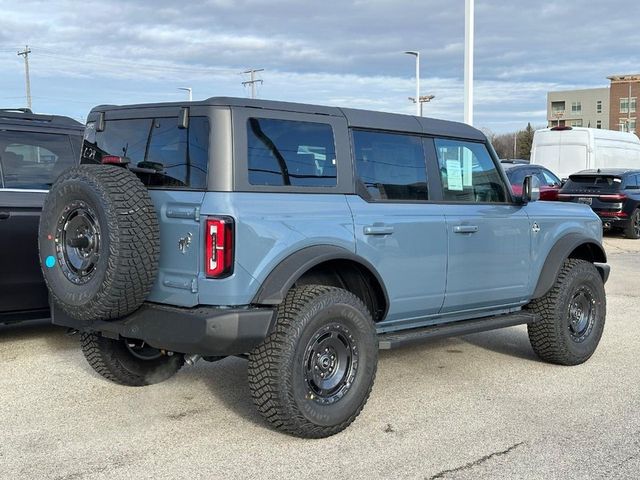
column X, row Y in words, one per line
column 378, row 230
column 465, row 229
column 4, row 214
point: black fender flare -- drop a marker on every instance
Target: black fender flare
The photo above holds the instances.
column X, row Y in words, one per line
column 284, row 275
column 561, row 251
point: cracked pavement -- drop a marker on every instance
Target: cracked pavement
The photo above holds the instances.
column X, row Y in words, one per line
column 479, row 406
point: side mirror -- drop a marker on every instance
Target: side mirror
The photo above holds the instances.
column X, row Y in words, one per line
column 530, row 189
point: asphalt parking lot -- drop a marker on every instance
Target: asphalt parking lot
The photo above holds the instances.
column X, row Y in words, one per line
column 480, row 406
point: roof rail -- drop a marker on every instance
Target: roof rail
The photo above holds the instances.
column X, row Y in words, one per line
column 22, row 110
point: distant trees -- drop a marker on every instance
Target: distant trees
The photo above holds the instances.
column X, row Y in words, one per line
column 513, row 145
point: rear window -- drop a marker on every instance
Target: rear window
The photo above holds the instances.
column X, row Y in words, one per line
column 31, row 160
column 598, row 182
column 172, row 157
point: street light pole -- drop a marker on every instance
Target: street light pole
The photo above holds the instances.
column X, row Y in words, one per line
column 189, row 90
column 468, row 61
column 417, row 99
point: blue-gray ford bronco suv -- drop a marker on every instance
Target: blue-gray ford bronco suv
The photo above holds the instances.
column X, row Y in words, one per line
column 305, row 238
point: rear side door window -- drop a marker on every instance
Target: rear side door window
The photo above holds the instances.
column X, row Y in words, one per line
column 391, row 166
column 289, row 152
column 34, row 160
column 468, row 173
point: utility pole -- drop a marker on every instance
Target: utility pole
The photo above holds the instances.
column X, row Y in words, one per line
column 253, row 80
column 25, row 53
column 468, row 61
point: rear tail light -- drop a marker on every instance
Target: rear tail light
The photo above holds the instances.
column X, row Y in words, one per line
column 612, row 214
column 114, row 160
column 219, row 241
column 618, row 197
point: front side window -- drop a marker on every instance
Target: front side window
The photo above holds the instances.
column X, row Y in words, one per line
column 290, row 153
column 163, row 154
column 391, row 166
column 468, row 172
column 35, row 160
column 548, row 178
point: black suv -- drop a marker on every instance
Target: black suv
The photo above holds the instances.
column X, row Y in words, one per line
column 34, row 150
column 613, row 193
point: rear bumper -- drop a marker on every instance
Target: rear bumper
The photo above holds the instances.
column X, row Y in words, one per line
column 206, row 331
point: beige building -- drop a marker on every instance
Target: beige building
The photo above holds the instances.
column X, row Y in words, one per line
column 579, row 108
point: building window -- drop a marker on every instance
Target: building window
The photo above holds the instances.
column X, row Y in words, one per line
column 576, row 107
column 599, row 106
column 557, row 107
column 624, row 104
column 627, row 124
column 599, row 124
column 576, row 123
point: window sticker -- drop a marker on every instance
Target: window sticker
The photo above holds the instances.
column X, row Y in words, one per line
column 454, row 175
column 467, row 167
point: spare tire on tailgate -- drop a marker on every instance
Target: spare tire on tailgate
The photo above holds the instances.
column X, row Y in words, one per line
column 99, row 242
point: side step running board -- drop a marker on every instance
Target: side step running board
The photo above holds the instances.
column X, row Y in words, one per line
column 391, row 340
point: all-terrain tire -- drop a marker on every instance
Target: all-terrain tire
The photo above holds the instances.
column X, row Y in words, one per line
column 109, row 209
column 116, row 361
column 572, row 315
column 632, row 229
column 283, row 373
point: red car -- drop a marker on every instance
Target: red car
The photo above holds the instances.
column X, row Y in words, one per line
column 516, row 171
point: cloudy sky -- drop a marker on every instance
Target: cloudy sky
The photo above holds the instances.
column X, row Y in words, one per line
column 334, row 52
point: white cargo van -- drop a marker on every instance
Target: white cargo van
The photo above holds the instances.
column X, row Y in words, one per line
column 566, row 150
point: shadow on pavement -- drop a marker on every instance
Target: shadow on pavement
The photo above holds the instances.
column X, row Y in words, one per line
column 507, row 341
column 227, row 381
column 31, row 330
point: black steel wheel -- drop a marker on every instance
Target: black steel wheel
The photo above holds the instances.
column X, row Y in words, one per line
column 632, row 229
column 77, row 241
column 572, row 315
column 582, row 313
column 330, row 363
column 313, row 374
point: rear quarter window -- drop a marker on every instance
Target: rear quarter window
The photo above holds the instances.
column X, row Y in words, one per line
column 165, row 155
column 290, row 153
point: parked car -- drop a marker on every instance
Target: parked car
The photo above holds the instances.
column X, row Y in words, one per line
column 516, row 172
column 567, row 150
column 34, row 150
column 613, row 193
column 305, row 238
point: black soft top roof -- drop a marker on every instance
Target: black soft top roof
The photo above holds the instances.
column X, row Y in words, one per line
column 355, row 118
